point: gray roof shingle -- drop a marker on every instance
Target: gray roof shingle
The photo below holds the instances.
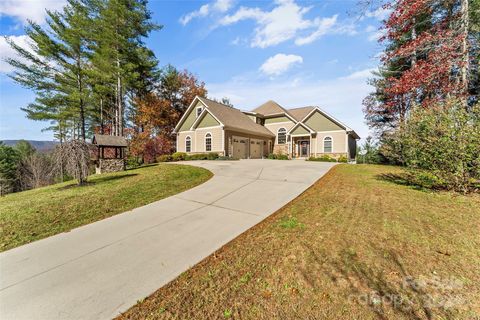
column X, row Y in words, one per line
column 235, row 119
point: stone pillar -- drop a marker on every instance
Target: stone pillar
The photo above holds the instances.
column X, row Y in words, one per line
column 110, row 165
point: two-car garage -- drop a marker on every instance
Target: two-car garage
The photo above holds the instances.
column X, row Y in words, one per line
column 248, row 147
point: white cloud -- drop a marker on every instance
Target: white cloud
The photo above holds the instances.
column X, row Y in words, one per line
column 221, row 6
column 379, row 13
column 362, row 74
column 284, row 22
column 34, row 10
column 280, row 63
column 375, row 36
column 340, row 97
column 325, row 25
column 7, row 52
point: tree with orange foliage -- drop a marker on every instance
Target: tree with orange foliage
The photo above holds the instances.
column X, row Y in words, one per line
column 158, row 112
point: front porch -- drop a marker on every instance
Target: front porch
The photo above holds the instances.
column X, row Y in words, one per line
column 301, row 146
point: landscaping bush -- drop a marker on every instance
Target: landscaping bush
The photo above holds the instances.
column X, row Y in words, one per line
column 179, row 156
column 226, row 158
column 133, row 162
column 212, row 156
column 342, row 159
column 440, row 147
column 325, row 158
column 164, row 158
column 203, row 156
column 277, row 156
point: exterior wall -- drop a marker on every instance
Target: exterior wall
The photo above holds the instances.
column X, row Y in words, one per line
column 181, row 140
column 277, row 119
column 319, row 122
column 191, row 117
column 229, row 143
column 217, row 140
column 273, row 127
column 339, row 143
column 300, row 130
column 352, row 147
column 207, row 121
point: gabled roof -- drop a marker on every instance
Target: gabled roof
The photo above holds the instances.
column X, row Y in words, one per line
column 103, row 140
column 202, row 115
column 300, row 113
column 234, row 119
column 331, row 118
column 301, row 124
column 270, row 107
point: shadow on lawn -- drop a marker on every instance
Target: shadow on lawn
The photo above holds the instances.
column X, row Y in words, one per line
column 398, row 292
column 403, row 179
column 98, row 181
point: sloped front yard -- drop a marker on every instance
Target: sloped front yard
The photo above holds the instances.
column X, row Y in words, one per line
column 353, row 246
column 36, row 214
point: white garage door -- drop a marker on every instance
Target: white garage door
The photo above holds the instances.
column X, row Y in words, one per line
column 240, row 147
column 256, row 148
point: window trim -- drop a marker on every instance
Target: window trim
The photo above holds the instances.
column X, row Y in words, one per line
column 331, row 144
column 208, row 135
column 189, row 139
column 197, row 114
column 278, row 132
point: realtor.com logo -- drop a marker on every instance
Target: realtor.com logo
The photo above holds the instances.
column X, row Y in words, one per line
column 428, row 292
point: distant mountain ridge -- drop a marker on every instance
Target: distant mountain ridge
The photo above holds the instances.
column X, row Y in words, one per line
column 41, row 146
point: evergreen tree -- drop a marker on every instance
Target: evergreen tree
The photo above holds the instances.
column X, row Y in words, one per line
column 122, row 66
column 56, row 68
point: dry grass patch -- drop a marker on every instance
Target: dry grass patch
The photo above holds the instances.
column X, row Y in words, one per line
column 353, row 246
column 39, row 213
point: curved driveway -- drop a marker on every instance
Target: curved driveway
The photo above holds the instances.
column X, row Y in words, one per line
column 101, row 269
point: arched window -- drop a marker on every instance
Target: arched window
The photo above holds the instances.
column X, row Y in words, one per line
column 281, row 136
column 188, row 144
column 327, row 144
column 208, row 142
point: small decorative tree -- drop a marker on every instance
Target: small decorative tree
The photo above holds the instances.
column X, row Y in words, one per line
column 74, row 156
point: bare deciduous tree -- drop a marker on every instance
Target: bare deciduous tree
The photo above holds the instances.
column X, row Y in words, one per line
column 35, row 170
column 74, row 156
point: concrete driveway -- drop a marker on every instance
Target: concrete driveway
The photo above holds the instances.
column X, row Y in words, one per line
column 101, row 269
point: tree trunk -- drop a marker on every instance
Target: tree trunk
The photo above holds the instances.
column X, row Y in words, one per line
column 465, row 53
column 119, row 100
column 81, row 102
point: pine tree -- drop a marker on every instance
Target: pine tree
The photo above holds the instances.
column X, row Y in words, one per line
column 122, row 66
column 56, row 68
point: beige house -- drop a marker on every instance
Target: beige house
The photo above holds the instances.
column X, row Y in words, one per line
column 209, row 126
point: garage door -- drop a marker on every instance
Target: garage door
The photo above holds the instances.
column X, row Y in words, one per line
column 256, row 147
column 240, row 147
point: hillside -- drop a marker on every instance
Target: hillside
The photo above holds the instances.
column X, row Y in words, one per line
column 41, row 146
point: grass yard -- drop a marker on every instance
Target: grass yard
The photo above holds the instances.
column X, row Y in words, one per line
column 35, row 214
column 353, row 246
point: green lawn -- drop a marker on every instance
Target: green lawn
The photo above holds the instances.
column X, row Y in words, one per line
column 353, row 246
column 31, row 215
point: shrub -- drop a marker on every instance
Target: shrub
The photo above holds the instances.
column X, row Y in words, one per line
column 443, row 142
column 226, row 158
column 203, row 156
column 212, row 156
column 277, row 156
column 324, row 158
column 133, row 162
column 164, row 158
column 179, row 156
column 342, row 159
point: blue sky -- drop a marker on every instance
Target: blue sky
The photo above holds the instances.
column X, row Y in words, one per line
column 297, row 53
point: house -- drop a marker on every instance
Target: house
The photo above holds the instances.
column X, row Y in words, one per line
column 209, row 126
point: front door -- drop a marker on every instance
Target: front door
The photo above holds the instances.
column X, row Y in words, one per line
column 304, row 148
